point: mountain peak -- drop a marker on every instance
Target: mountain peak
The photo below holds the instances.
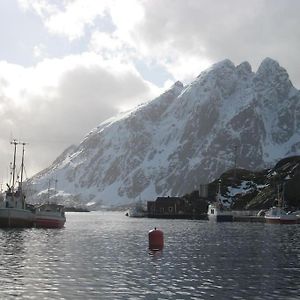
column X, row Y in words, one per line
column 226, row 63
column 178, row 84
column 244, row 68
column 218, row 69
column 269, row 65
column 175, row 89
column 270, row 73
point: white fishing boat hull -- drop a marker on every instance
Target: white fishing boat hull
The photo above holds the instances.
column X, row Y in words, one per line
column 276, row 215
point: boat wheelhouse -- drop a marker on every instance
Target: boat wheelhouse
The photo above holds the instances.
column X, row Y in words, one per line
column 49, row 215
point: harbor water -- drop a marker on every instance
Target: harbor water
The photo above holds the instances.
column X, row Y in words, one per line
column 104, row 255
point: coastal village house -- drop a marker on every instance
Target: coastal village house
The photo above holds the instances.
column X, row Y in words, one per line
column 166, row 207
column 176, row 207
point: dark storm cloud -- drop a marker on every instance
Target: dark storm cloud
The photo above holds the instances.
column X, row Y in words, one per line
column 235, row 29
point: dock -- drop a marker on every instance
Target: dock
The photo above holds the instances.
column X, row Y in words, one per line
column 252, row 219
column 251, row 216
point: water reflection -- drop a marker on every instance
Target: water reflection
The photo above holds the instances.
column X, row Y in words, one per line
column 106, row 256
column 12, row 259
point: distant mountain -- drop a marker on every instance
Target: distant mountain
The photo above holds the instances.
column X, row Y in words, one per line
column 187, row 136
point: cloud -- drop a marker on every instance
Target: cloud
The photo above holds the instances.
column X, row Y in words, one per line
column 57, row 102
column 39, row 51
column 210, row 31
column 184, row 37
column 76, row 16
column 67, row 18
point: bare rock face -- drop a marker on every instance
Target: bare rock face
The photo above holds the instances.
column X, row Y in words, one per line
column 187, row 136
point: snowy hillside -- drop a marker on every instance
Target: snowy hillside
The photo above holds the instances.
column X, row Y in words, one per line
column 187, row 136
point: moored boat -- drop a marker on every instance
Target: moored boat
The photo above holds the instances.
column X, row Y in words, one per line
column 49, row 215
column 218, row 213
column 216, row 210
column 137, row 211
column 14, row 211
column 276, row 215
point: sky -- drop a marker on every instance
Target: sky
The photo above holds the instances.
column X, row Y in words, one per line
column 68, row 65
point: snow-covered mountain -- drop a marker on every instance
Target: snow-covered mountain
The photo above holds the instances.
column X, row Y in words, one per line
column 187, row 136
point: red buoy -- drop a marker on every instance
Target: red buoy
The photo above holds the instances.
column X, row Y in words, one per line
column 156, row 239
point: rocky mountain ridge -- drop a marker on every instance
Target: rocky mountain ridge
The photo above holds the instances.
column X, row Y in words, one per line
column 186, row 137
column 254, row 190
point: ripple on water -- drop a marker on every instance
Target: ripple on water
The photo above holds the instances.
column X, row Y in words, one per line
column 105, row 256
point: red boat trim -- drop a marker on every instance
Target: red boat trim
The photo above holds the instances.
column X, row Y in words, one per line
column 49, row 223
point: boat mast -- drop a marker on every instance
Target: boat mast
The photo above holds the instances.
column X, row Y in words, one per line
column 235, row 161
column 219, row 192
column 279, row 197
column 55, row 185
column 49, row 182
column 22, row 165
column 283, row 204
column 15, row 143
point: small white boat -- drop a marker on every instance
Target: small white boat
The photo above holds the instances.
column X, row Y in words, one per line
column 276, row 215
column 49, row 215
column 216, row 212
column 137, row 211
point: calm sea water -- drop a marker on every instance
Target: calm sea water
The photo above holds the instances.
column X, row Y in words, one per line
column 104, row 255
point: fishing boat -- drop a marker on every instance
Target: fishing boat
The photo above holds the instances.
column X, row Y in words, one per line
column 14, row 211
column 49, row 215
column 278, row 215
column 217, row 212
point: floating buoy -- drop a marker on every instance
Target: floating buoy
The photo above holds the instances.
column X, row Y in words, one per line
column 156, row 239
